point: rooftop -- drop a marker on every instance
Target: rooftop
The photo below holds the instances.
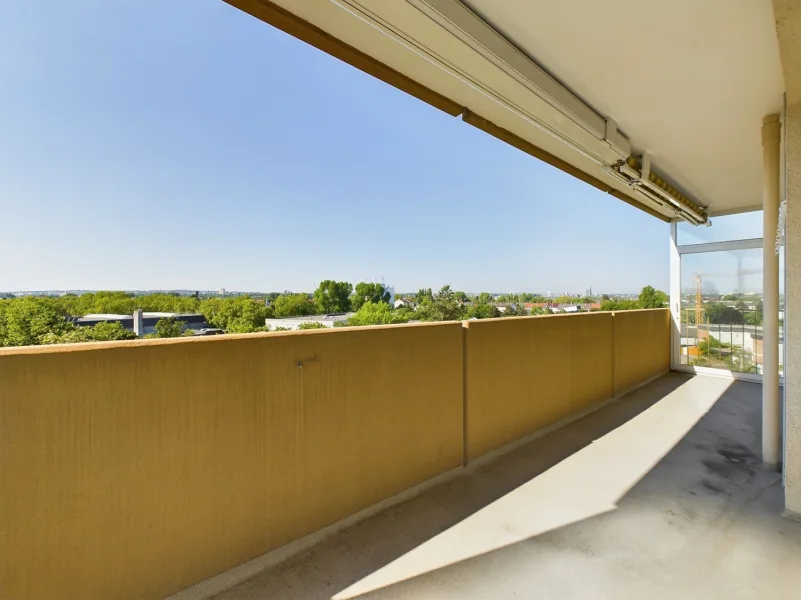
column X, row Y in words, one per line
column 330, row 317
column 146, row 315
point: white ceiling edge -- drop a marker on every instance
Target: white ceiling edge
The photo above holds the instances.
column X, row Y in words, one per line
column 721, row 162
column 691, row 81
column 371, row 33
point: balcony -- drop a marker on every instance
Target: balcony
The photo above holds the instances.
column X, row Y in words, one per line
column 473, row 459
column 659, row 495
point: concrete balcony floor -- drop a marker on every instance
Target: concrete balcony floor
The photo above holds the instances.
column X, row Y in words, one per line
column 658, row 495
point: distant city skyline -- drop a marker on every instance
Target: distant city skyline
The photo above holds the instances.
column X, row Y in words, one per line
column 547, row 293
column 149, row 147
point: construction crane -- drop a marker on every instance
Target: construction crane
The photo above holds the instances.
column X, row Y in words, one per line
column 698, row 283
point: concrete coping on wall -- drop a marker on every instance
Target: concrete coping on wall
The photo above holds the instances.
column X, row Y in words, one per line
column 234, row 337
column 219, row 339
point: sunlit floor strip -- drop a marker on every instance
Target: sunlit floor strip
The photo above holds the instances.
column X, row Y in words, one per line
column 588, row 483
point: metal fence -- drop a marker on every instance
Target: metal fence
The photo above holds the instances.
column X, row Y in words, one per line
column 728, row 339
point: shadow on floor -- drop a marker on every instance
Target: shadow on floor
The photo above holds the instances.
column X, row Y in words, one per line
column 703, row 522
column 487, row 532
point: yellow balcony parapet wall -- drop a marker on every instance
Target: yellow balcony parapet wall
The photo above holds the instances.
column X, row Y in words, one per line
column 524, row 374
column 133, row 470
column 642, row 347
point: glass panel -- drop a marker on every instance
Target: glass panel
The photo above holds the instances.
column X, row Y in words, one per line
column 744, row 226
column 721, row 310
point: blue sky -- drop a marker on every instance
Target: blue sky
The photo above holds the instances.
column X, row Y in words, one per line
column 169, row 144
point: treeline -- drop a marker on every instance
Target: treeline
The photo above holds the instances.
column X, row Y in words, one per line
column 648, row 298
column 28, row 320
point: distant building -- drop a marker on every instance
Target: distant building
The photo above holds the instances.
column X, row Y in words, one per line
column 208, row 331
column 193, row 321
column 293, row 323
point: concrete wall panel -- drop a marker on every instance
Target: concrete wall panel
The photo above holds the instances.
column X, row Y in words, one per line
column 788, row 28
column 642, row 346
column 136, row 469
column 133, row 470
column 524, row 374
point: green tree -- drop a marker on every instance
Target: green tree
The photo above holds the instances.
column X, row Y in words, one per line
column 482, row 311
column 710, row 344
column 293, row 305
column 444, row 307
column 460, row 296
column 25, row 321
column 369, row 292
column 118, row 303
column 240, row 314
column 448, row 305
column 377, row 313
column 4, row 304
column 485, row 298
column 101, row 332
column 619, row 305
column 755, row 317
column 109, row 331
column 169, row 328
column 333, row 296
column 424, row 294
column 125, row 303
column 312, row 325
column 404, row 314
column 168, row 303
column 515, row 310
column 652, row 298
column 74, row 335
column 720, row 314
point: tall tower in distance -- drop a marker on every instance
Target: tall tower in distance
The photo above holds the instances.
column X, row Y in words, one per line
column 389, row 288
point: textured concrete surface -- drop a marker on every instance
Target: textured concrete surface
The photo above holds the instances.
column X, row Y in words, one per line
column 659, row 495
column 520, row 374
column 788, row 29
column 792, row 456
column 201, row 455
column 793, row 299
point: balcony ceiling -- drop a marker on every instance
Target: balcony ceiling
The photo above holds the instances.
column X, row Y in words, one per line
column 688, row 81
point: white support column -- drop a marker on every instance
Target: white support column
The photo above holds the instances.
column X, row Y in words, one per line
column 138, row 323
column 771, row 409
column 675, row 297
